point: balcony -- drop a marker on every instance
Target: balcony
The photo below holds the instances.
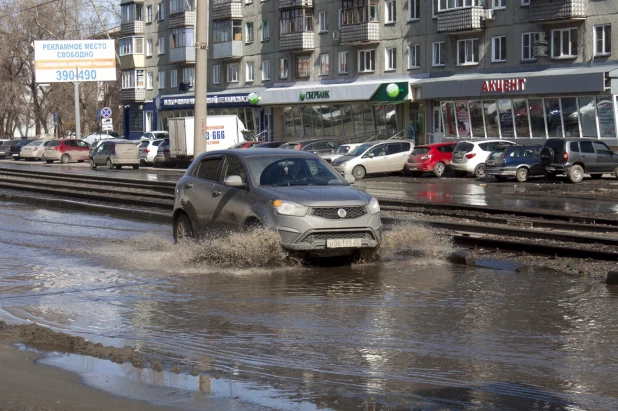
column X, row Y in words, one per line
column 131, row 61
column 462, row 20
column 297, row 41
column 557, row 10
column 182, row 19
column 132, row 27
column 182, row 55
column 368, row 32
column 133, row 94
column 294, row 4
column 226, row 9
column 227, row 50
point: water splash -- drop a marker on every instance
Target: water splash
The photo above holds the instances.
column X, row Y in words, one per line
column 409, row 239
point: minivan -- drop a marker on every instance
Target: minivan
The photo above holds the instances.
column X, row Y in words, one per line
column 115, row 153
column 375, row 157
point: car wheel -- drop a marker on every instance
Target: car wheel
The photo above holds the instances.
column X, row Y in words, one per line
column 461, row 173
column 596, row 176
column 438, row 169
column 358, row 172
column 64, row 159
column 500, row 178
column 479, row 170
column 183, row 230
column 522, row 175
column 136, row 167
column 93, row 165
column 109, row 164
column 575, row 174
column 49, row 161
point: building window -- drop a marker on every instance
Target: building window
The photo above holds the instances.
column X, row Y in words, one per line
column 182, row 38
column 160, row 11
column 414, row 56
column 525, row 2
column 356, row 11
column 148, row 14
column 414, row 9
column 324, row 63
column 249, row 32
column 232, row 73
column 132, row 79
column 161, row 80
column 390, row 58
column 266, row 70
column 150, row 80
column 216, row 74
column 179, row 6
column 390, row 11
column 499, row 4
column 149, row 47
column 248, row 1
column 250, row 75
column 443, row 5
column 265, row 30
column 603, row 40
column 467, row 52
column 339, row 18
column 296, row 21
column 161, row 45
column 435, row 6
column 498, row 49
column 526, row 47
column 187, row 74
column 564, row 43
column 130, row 13
column 173, row 78
column 283, row 68
column 366, row 61
column 438, row 58
column 303, row 66
column 131, row 45
column 323, row 26
column 343, row 62
column 226, row 30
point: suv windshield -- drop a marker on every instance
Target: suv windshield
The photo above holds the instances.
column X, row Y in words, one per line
column 463, row 147
column 276, row 171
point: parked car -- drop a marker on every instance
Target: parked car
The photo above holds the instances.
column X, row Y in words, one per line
column 519, row 161
column 15, row 149
column 341, row 151
column 115, row 153
column 246, row 144
column 5, row 147
column 469, row 156
column 163, row 156
column 375, row 157
column 434, row 158
column 148, row 150
column 155, row 135
column 34, row 150
column 269, row 144
column 575, row 157
column 320, row 147
column 66, row 150
column 314, row 210
column 100, row 135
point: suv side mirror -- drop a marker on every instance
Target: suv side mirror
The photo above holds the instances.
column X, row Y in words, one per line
column 234, row 181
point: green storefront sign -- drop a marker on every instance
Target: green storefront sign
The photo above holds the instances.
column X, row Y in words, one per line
column 391, row 93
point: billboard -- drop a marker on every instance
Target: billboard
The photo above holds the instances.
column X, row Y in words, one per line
column 74, row 60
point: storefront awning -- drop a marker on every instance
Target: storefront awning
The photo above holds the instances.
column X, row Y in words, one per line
column 550, row 81
column 221, row 99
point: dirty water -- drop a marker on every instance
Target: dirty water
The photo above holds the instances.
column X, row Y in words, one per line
column 408, row 332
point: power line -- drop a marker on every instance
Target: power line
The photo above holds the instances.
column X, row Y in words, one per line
column 27, row 8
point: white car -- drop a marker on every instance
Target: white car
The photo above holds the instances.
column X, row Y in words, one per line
column 34, row 150
column 469, row 156
column 154, row 135
column 375, row 157
column 103, row 135
column 341, row 151
column 148, row 150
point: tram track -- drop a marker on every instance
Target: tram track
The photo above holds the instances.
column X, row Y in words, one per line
column 480, row 226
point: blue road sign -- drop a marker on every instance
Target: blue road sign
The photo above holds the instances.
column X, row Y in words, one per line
column 106, row 112
column 55, row 117
column 98, row 114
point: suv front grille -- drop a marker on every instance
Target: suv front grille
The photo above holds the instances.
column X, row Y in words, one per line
column 363, row 235
column 331, row 212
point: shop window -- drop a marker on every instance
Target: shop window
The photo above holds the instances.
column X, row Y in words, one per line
column 605, row 112
column 520, row 114
column 303, row 66
column 564, row 43
column 343, row 62
column 603, row 40
column 438, row 54
column 467, row 52
column 476, row 119
column 448, row 119
column 390, row 59
column 414, row 56
column 537, row 117
column 366, row 61
column 390, row 9
column 571, row 119
column 526, row 47
column 498, row 49
column 553, row 117
column 505, row 111
column 491, row 118
column 414, row 10
column 588, row 117
column 463, row 119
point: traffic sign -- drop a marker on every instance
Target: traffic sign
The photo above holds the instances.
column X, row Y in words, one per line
column 105, row 127
column 106, row 112
column 98, row 114
column 106, row 121
column 55, row 117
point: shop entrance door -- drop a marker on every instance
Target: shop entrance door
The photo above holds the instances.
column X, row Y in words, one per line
column 438, row 128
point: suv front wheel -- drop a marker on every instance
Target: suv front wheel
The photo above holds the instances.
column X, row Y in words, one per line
column 575, row 174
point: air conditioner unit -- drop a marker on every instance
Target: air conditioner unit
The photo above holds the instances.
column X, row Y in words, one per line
column 489, row 14
column 540, row 37
column 539, row 51
column 336, row 34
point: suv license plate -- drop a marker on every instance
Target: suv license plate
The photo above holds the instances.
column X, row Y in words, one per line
column 343, row 243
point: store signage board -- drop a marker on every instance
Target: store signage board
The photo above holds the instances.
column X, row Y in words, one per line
column 74, row 60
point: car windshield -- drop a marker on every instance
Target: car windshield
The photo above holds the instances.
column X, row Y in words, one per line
column 276, row 171
column 343, row 149
column 360, row 149
column 463, row 147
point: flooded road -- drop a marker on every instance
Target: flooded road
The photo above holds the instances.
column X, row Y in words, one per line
column 409, row 332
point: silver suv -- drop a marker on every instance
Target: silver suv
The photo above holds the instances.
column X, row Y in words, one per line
column 315, row 211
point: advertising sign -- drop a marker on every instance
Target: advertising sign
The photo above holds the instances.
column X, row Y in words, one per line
column 463, row 119
column 74, row 60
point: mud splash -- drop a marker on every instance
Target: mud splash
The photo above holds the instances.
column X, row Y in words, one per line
column 414, row 240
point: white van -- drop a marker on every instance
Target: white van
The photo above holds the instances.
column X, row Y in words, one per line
column 375, row 157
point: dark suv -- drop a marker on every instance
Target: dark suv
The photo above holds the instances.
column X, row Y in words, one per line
column 516, row 161
column 574, row 157
column 16, row 148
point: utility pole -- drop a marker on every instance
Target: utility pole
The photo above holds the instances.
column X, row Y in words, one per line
column 201, row 78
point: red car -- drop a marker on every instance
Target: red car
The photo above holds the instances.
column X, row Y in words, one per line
column 247, row 144
column 66, row 150
column 435, row 158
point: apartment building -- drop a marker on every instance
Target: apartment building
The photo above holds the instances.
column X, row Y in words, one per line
column 421, row 69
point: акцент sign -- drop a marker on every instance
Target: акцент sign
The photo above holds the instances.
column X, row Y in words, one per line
column 74, row 60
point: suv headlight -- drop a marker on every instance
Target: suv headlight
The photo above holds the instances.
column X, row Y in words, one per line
column 289, row 208
column 374, row 206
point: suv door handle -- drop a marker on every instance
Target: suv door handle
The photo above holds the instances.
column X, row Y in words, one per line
column 188, row 185
column 216, row 193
